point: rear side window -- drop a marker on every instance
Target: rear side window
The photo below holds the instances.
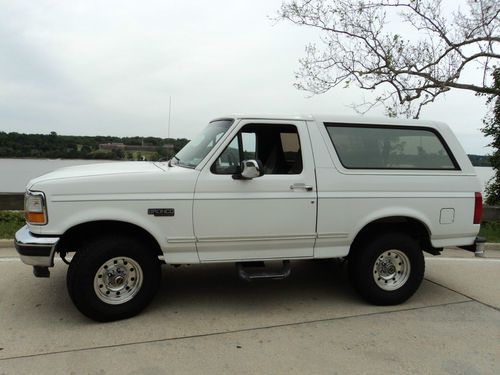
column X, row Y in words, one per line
column 390, row 147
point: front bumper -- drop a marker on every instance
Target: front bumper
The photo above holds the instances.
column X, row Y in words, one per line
column 35, row 250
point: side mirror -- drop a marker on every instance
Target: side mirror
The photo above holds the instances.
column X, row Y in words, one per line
column 251, row 169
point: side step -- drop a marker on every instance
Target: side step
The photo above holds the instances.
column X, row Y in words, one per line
column 40, row 271
column 250, row 271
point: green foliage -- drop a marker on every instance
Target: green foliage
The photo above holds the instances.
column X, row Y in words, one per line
column 54, row 146
column 492, row 129
column 491, row 231
column 10, row 222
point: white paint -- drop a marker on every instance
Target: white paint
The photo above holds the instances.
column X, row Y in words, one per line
column 262, row 218
column 260, row 208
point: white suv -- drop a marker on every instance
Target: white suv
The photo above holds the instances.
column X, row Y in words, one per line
column 251, row 189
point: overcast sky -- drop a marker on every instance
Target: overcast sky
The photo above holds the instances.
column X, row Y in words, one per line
column 109, row 68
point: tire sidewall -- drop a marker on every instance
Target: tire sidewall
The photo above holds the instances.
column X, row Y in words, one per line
column 363, row 261
column 87, row 262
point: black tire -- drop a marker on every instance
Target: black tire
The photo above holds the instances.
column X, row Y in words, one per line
column 131, row 259
column 372, row 267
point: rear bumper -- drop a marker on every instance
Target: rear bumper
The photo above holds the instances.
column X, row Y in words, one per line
column 35, row 250
column 478, row 248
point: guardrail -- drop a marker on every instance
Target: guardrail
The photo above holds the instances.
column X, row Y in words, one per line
column 15, row 201
column 11, row 201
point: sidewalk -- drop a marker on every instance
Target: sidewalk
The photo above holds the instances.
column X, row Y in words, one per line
column 204, row 320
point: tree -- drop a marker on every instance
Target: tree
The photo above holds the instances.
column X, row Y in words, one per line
column 492, row 129
column 432, row 51
column 358, row 47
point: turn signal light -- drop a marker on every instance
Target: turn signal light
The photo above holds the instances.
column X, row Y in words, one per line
column 35, row 217
column 35, row 210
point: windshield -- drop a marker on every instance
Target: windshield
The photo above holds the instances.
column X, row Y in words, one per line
column 196, row 150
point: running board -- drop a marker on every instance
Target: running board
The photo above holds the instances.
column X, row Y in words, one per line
column 40, row 271
column 250, row 271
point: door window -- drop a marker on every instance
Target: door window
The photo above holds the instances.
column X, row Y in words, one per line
column 276, row 146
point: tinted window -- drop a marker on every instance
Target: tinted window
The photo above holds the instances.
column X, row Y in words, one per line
column 370, row 147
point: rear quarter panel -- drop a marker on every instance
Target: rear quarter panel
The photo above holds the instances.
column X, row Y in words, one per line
column 350, row 199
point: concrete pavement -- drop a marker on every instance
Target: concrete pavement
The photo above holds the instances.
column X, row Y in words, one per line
column 204, row 320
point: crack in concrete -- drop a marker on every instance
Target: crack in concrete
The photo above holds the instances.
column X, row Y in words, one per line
column 470, row 300
column 462, row 294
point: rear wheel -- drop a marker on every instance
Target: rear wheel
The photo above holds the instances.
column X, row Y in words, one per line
column 388, row 269
column 113, row 278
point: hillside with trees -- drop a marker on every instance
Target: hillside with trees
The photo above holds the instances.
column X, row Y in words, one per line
column 54, row 146
column 480, row 160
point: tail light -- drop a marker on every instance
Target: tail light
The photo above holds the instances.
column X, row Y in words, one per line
column 478, row 207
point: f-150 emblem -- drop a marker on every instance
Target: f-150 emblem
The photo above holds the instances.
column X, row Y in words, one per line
column 161, row 211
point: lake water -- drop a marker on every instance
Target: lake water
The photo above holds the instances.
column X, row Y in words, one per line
column 484, row 174
column 15, row 173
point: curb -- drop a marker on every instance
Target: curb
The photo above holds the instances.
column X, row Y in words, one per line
column 6, row 244
column 492, row 246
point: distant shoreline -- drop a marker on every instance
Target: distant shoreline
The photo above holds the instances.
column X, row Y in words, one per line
column 70, row 147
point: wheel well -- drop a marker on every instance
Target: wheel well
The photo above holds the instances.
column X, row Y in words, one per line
column 74, row 237
column 401, row 224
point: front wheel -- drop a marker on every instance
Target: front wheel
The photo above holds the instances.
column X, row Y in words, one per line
column 388, row 269
column 113, row 278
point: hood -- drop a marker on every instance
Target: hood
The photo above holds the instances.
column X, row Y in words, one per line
column 125, row 180
column 101, row 169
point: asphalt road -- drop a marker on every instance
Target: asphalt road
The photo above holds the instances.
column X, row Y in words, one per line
column 206, row 321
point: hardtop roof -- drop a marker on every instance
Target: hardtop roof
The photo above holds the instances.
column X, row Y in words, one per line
column 342, row 119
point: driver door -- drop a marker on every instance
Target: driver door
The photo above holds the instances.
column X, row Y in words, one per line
column 269, row 217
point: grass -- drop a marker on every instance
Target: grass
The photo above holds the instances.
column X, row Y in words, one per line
column 491, row 230
column 10, row 222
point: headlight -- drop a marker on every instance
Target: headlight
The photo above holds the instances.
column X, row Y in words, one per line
column 35, row 210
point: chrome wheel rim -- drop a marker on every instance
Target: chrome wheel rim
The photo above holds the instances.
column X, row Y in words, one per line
column 118, row 280
column 391, row 270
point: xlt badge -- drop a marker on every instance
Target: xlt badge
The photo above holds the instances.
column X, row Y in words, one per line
column 161, row 211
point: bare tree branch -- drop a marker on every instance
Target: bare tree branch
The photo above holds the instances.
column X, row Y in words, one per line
column 363, row 43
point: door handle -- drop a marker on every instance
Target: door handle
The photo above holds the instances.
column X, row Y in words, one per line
column 301, row 186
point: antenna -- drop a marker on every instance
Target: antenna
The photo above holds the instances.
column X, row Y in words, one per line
column 169, row 111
